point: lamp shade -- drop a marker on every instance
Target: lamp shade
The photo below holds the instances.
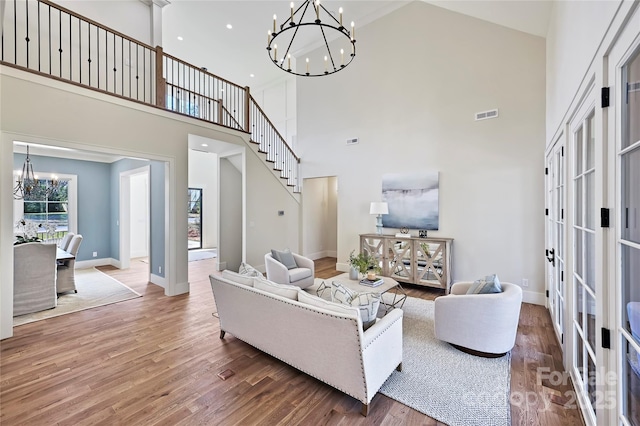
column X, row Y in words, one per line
column 379, row 208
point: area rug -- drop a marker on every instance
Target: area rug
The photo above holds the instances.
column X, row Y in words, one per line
column 94, row 289
column 440, row 381
column 202, row 254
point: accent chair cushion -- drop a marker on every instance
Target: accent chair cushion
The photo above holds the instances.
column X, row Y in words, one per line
column 487, row 285
column 284, row 290
column 246, row 269
column 285, row 257
column 298, row 274
column 237, row 278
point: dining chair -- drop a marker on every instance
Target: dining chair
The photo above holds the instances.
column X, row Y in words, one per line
column 66, row 272
column 34, row 278
column 66, row 240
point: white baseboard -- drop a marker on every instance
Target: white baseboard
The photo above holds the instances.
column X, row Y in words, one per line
column 321, row 254
column 86, row 264
column 222, row 266
column 158, row 280
column 140, row 253
column 534, row 298
column 342, row 267
column 180, row 288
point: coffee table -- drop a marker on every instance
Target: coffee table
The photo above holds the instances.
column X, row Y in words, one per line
column 392, row 295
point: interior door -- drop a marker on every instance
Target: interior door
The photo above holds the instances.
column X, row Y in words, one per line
column 555, row 252
column 194, row 227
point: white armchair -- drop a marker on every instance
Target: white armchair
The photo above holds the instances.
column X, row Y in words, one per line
column 302, row 276
column 481, row 324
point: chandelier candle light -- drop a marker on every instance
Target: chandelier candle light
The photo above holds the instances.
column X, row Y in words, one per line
column 317, row 21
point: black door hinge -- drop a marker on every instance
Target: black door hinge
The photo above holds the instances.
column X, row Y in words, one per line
column 562, row 276
column 562, row 339
column 547, row 293
column 604, row 217
column 546, row 212
column 606, row 338
column 562, row 151
column 605, row 97
column 546, row 170
column 561, row 213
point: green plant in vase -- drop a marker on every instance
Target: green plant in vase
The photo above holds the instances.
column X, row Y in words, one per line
column 364, row 263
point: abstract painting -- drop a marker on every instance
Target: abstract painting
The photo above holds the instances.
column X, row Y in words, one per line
column 412, row 199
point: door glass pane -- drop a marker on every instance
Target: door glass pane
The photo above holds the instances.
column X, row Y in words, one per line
column 590, row 320
column 631, row 374
column 630, row 196
column 579, row 305
column 591, row 382
column 589, row 182
column 578, row 259
column 194, row 226
column 631, row 289
column 578, row 202
column 579, row 150
column 590, row 260
column 631, row 124
column 579, row 355
column 591, row 141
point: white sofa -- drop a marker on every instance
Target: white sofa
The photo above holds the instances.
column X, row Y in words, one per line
column 482, row 324
column 320, row 338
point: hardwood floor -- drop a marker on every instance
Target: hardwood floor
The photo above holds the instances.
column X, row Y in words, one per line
column 155, row 360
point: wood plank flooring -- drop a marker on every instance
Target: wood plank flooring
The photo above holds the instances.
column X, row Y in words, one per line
column 155, row 360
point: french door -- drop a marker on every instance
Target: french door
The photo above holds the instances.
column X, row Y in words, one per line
column 628, row 239
column 194, row 215
column 555, row 252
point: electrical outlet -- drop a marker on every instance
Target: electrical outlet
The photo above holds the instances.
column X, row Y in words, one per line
column 159, row 269
column 95, row 254
column 525, row 282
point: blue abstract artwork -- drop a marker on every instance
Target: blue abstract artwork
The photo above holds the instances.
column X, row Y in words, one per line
column 412, row 199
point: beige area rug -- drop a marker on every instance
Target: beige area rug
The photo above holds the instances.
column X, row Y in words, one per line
column 94, row 289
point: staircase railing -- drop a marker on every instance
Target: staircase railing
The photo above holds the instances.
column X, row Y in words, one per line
column 44, row 38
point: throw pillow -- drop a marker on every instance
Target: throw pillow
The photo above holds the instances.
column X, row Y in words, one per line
column 368, row 304
column 246, row 269
column 486, row 285
column 237, row 278
column 285, row 257
column 319, row 302
column 340, row 293
column 288, row 291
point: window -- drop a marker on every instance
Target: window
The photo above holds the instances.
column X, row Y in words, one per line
column 49, row 208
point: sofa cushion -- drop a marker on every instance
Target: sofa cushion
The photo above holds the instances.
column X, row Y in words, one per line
column 319, row 302
column 246, row 269
column 298, row 274
column 284, row 290
column 486, row 285
column 285, row 257
column 237, row 278
column 340, row 293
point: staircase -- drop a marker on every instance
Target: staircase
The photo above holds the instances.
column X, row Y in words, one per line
column 69, row 47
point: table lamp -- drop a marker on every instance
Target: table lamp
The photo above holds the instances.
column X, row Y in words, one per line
column 379, row 208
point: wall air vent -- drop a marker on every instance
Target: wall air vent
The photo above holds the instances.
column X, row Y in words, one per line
column 485, row 115
column 634, row 87
column 352, row 141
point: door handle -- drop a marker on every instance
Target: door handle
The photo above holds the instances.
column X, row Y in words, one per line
column 551, row 256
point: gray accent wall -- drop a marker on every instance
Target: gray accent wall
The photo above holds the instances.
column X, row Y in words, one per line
column 230, row 250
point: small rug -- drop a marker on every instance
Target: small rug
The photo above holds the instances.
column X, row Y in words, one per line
column 95, row 289
column 202, row 254
column 444, row 383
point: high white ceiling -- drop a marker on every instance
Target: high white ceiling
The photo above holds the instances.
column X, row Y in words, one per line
column 236, row 53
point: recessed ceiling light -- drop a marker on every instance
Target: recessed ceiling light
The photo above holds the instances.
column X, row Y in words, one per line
column 251, row 75
column 180, row 38
column 229, row 26
column 205, row 144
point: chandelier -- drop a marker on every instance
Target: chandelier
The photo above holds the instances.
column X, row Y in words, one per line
column 312, row 17
column 28, row 185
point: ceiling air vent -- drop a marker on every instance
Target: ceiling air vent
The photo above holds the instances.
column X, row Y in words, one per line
column 485, row 115
column 352, row 141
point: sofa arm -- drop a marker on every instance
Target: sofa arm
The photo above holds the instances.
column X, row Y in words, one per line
column 304, row 262
column 392, row 318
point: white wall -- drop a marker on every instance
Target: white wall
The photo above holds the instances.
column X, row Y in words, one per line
column 319, row 217
column 140, row 216
column 130, row 17
column 97, row 122
column 575, row 31
column 410, row 96
column 203, row 173
column 230, row 251
column 278, row 101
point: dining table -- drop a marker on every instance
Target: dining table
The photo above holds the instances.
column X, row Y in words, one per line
column 63, row 254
